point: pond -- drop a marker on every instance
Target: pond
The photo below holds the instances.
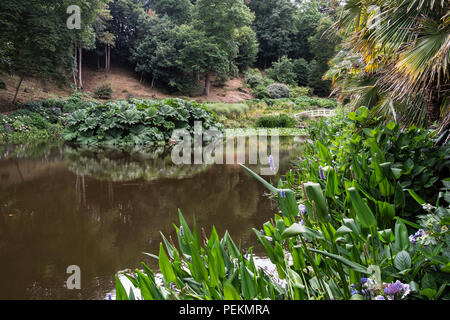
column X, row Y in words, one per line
column 100, row 210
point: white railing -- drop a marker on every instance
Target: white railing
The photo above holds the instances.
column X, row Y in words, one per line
column 316, row 113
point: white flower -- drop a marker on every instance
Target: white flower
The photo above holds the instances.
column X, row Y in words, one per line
column 428, row 207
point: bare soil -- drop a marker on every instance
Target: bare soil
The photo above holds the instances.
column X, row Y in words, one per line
column 123, row 81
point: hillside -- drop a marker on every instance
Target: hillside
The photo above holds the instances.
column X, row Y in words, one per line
column 123, row 81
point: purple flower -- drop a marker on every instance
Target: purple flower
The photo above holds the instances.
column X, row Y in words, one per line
column 380, row 297
column 335, row 169
column 282, row 194
column 8, row 127
column 363, row 280
column 418, row 234
column 261, row 232
column 396, row 287
column 302, row 209
column 109, row 296
column 321, row 174
column 181, row 231
column 353, row 289
column 271, row 163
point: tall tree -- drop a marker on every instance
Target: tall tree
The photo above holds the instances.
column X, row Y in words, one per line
column 275, row 26
column 178, row 10
column 38, row 37
column 219, row 20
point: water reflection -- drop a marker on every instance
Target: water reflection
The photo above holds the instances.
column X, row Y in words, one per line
column 61, row 206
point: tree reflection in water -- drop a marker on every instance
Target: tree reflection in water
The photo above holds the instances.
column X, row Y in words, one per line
column 100, row 210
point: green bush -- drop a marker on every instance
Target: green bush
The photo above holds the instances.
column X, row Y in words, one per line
column 301, row 69
column 278, row 90
column 282, row 71
column 228, row 109
column 260, row 92
column 253, row 78
column 276, row 121
column 104, row 91
column 32, row 123
column 300, row 91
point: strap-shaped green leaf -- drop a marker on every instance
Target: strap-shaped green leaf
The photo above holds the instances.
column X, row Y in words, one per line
column 362, row 210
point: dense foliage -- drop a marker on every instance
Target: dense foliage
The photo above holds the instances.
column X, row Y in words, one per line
column 395, row 58
column 340, row 233
column 138, row 122
column 280, row 121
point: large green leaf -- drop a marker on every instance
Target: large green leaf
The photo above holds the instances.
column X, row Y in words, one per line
column 363, row 212
column 353, row 265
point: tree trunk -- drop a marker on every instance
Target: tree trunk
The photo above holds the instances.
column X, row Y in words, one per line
column 109, row 58
column 75, row 64
column 17, row 89
column 433, row 102
column 80, row 67
column 207, row 84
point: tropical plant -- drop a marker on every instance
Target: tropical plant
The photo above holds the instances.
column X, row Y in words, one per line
column 396, row 56
column 139, row 122
column 347, row 254
column 201, row 269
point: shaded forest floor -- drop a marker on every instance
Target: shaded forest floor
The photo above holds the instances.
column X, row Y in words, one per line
column 123, row 81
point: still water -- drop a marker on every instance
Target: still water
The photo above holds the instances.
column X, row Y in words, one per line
column 62, row 206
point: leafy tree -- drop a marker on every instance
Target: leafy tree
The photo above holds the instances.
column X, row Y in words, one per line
column 283, row 71
column 128, row 25
column 307, row 20
column 178, row 10
column 37, row 42
column 156, row 53
column 200, row 54
column 247, row 47
column 321, row 87
column 275, row 27
column 219, row 20
column 322, row 45
column 301, row 69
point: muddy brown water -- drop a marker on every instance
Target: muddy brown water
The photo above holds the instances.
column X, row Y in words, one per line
column 62, row 206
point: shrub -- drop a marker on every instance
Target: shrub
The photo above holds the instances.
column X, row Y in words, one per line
column 253, row 78
column 276, row 121
column 300, row 91
column 32, row 123
column 278, row 90
column 260, row 92
column 282, row 71
column 228, row 108
column 301, row 69
column 104, row 91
